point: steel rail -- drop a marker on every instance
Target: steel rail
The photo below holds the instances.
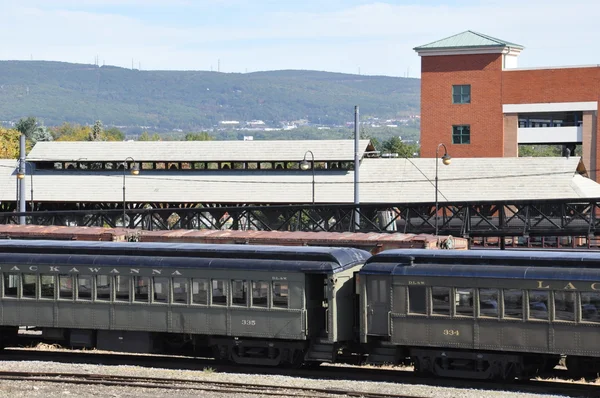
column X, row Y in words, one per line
column 185, row 384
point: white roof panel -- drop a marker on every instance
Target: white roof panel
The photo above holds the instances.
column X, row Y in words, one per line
column 195, row 151
column 381, row 181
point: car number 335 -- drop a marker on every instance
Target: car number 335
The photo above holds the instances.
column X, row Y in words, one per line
column 248, row 322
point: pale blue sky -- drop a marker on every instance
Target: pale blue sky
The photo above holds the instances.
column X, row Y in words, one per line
column 375, row 37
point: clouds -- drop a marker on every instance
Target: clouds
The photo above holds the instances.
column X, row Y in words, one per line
column 341, row 35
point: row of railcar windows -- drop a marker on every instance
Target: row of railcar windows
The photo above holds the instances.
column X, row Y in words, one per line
column 144, row 289
column 459, row 302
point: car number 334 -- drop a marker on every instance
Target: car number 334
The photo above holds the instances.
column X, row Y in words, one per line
column 451, row 332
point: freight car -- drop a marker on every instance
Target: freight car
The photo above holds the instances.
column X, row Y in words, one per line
column 266, row 305
column 481, row 313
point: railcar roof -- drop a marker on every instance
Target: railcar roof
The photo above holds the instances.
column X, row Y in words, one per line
column 538, row 264
column 489, row 272
column 255, row 257
column 482, row 256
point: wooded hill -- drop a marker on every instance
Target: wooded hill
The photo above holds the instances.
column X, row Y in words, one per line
column 58, row 92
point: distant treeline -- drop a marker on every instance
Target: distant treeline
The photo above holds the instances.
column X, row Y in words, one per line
column 57, row 92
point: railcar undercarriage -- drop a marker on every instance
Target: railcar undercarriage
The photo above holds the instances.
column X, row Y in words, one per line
column 454, row 363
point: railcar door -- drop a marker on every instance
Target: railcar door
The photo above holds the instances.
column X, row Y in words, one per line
column 317, row 305
column 378, row 305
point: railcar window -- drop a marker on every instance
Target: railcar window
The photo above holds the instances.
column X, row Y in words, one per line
column 238, row 293
column 488, row 302
column 200, row 291
column 65, row 283
column 590, row 306
column 29, row 283
column 378, row 290
column 47, row 290
column 103, row 287
column 564, row 306
column 417, row 299
column 463, row 299
column 260, row 293
column 538, row 304
column 122, row 287
column 441, row 300
column 513, row 303
column 11, row 283
column 280, row 294
column 219, row 292
column 181, row 288
column 84, row 287
column 141, row 286
column 161, row 289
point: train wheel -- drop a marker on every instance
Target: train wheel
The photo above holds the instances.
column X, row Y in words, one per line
column 221, row 354
column 421, row 367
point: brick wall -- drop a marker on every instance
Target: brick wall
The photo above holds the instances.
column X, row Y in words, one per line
column 490, row 88
column 550, row 85
column 484, row 113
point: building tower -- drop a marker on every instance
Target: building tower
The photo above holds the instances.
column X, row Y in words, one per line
column 475, row 100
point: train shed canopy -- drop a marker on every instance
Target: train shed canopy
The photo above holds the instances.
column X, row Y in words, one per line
column 196, row 151
column 381, row 180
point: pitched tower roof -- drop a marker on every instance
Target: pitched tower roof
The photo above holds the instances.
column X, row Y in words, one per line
column 468, row 42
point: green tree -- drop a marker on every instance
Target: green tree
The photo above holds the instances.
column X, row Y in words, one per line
column 64, row 129
column 114, row 134
column 97, row 131
column 9, row 143
column 41, row 133
column 395, row 145
column 144, row 136
column 540, row 150
column 26, row 126
column 147, row 137
column 30, row 129
column 203, row 136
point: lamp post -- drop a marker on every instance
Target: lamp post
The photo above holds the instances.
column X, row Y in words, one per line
column 446, row 159
column 304, row 165
column 22, row 173
column 135, row 170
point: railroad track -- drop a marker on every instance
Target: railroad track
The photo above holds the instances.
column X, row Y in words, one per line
column 357, row 373
column 188, row 384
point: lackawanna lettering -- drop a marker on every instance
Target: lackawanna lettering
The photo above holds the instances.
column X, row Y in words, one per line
column 93, row 270
column 566, row 285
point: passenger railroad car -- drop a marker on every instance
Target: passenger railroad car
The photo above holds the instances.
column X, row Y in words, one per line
column 482, row 313
column 249, row 304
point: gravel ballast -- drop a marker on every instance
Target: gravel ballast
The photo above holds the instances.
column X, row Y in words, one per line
column 16, row 389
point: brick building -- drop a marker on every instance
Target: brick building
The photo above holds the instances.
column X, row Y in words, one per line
column 477, row 102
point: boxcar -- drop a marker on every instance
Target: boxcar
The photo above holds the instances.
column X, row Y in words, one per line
column 482, row 313
column 250, row 304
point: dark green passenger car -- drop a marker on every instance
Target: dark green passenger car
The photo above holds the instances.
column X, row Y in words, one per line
column 248, row 304
column 482, row 313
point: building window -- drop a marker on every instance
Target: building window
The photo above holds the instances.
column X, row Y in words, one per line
column 461, row 134
column 461, row 94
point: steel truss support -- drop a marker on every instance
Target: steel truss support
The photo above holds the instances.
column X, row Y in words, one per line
column 490, row 219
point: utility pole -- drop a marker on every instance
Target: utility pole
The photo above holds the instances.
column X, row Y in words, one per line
column 356, row 168
column 21, row 182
